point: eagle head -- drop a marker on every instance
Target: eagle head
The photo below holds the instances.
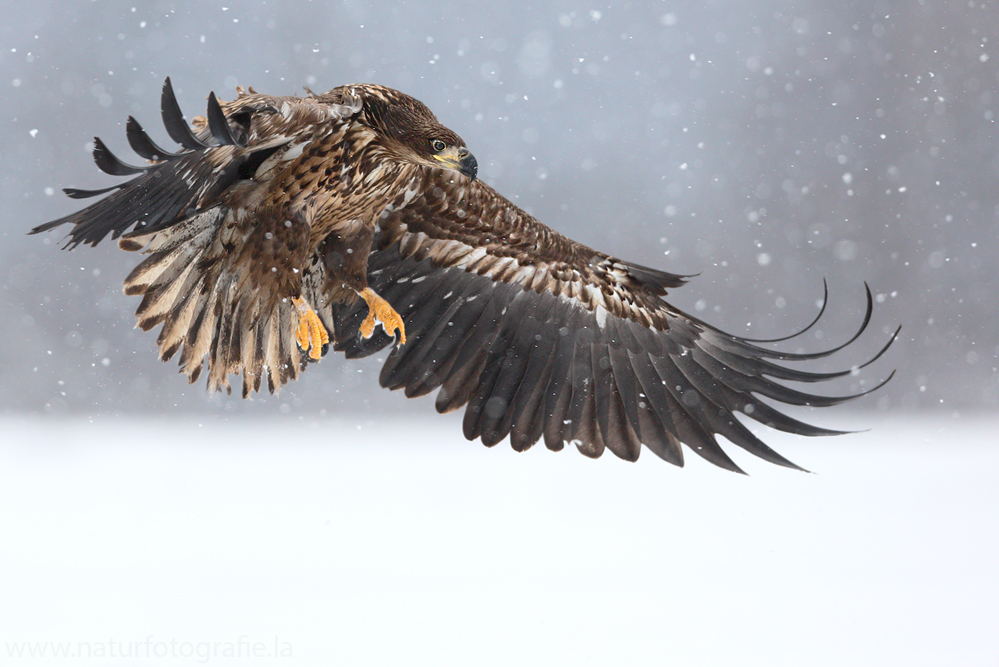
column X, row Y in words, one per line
column 412, row 131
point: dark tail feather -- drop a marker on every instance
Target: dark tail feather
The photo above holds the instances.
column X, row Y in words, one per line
column 189, row 289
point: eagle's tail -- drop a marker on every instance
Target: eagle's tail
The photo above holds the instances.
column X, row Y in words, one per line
column 210, row 308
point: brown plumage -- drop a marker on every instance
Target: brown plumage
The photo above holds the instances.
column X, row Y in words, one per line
column 279, row 212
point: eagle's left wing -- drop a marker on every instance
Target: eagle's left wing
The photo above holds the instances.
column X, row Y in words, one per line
column 542, row 337
column 218, row 267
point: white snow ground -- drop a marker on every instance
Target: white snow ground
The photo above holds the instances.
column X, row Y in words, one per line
column 401, row 544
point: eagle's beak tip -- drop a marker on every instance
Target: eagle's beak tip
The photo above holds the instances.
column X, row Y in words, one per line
column 468, row 165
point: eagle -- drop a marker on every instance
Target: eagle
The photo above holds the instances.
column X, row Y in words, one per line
column 282, row 227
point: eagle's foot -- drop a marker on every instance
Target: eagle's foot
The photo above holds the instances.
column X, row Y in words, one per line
column 312, row 336
column 381, row 312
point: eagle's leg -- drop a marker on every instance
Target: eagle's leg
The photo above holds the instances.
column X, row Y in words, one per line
column 345, row 253
column 380, row 311
column 312, row 336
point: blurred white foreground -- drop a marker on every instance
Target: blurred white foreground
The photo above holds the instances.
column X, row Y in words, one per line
column 400, row 544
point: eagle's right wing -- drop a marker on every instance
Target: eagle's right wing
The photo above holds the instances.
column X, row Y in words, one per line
column 541, row 337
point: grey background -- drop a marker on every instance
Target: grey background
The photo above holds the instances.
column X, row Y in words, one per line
column 764, row 145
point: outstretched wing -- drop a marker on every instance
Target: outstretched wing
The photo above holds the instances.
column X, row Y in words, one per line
column 541, row 337
column 173, row 187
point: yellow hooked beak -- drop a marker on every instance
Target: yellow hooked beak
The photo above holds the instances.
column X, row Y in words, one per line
column 460, row 160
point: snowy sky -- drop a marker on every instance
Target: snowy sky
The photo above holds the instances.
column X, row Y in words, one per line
column 763, row 145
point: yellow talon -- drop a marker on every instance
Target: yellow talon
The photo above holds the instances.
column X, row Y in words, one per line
column 380, row 311
column 312, row 336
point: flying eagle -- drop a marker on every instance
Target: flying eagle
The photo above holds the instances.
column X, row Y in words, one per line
column 284, row 225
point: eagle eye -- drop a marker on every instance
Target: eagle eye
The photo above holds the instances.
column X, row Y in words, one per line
column 438, row 145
